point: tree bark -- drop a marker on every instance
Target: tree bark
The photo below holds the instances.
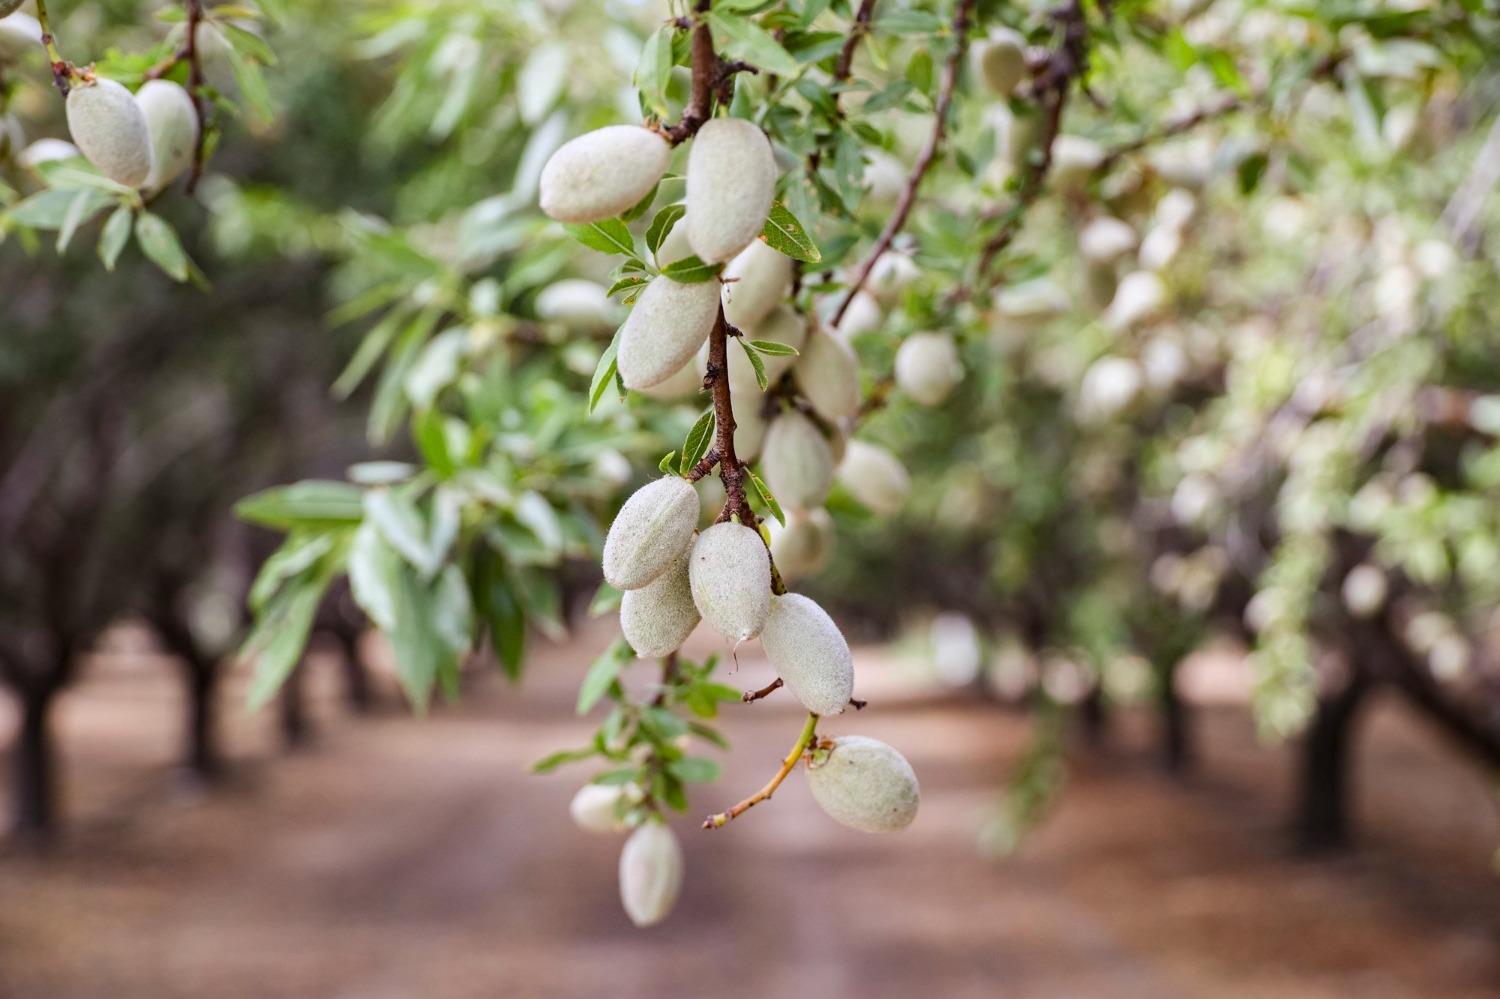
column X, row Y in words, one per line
column 296, row 729
column 359, row 693
column 1323, row 794
column 34, row 791
column 202, row 756
column 1176, row 725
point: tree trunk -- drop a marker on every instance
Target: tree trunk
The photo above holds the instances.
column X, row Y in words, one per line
column 1176, row 725
column 358, row 691
column 296, row 729
column 202, row 756
column 1094, row 716
column 1323, row 821
column 34, row 791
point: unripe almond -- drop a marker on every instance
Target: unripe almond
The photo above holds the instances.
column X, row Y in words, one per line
column 892, row 274
column 864, row 315
column 1074, row 158
column 809, row 653
column 884, row 178
column 731, row 181
column 109, row 127
column 797, row 461
column 685, row 381
column 19, row 34
column 731, row 579
column 658, row 618
column 827, row 373
column 594, row 808
column 804, row 545
column 575, row 303
column 172, row 122
column 783, row 325
column 650, row 532
column 864, row 784
column 650, row 874
column 755, row 282
column 603, row 173
column 1106, row 239
column 928, row 367
column 875, row 477
column 1140, row 295
column 1000, row 60
column 669, row 323
column 750, row 424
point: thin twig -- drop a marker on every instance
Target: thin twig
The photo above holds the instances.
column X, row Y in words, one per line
column 809, row 728
column 857, row 31
column 63, row 72
column 924, row 161
column 751, row 696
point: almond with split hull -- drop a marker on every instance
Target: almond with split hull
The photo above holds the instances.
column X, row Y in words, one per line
column 650, row 874
column 731, row 181
column 603, row 173
column 650, row 532
column 828, row 375
column 731, row 580
column 928, row 367
column 797, row 462
column 657, row 618
column 866, row 785
column 669, row 323
column 809, row 653
column 110, row 130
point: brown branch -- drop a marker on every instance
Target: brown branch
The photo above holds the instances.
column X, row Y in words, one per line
column 1062, row 67
column 924, row 160
column 707, row 69
column 731, row 470
column 809, row 729
column 1172, row 129
column 857, row 31
column 751, row 696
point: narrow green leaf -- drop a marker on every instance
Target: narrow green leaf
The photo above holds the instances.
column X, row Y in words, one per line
column 661, row 225
column 766, row 497
column 774, row 348
column 604, row 371
column 159, row 242
column 691, row 270
column 741, row 38
column 784, row 233
column 607, row 236
column 552, row 761
column 696, row 445
column 694, row 770
column 311, row 503
column 602, row 675
column 665, row 465
column 113, row 238
column 755, row 362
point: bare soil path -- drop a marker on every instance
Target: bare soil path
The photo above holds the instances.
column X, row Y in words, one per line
column 410, row 857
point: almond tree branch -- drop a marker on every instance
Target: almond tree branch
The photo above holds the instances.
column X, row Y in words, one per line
column 751, row 696
column 809, row 728
column 924, row 159
column 857, row 31
column 63, row 72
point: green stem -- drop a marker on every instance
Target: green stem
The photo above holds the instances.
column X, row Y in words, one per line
column 63, row 72
column 809, row 729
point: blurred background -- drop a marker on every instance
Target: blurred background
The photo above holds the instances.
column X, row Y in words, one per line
column 1187, row 623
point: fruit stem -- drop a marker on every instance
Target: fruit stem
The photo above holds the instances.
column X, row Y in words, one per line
column 809, row 729
column 63, row 72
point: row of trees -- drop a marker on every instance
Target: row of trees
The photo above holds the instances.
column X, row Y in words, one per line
column 1217, row 274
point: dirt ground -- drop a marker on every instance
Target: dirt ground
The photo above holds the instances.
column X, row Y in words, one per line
column 404, row 857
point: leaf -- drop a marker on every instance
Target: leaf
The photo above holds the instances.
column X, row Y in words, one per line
column 46, row 210
column 774, row 348
column 696, row 445
column 665, row 465
column 606, row 599
column 638, row 209
column 755, row 362
column 694, row 770
column 741, row 38
column 503, row 613
column 552, row 761
column 401, row 524
column 766, row 497
column 654, row 71
column 159, row 242
column 691, row 270
column 784, row 233
column 374, row 575
column 607, row 236
column 627, row 282
column 84, row 207
column 311, row 503
column 602, row 675
column 604, row 371
column 115, row 235
column 661, row 225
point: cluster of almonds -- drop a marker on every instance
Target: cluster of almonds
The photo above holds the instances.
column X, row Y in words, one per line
column 673, row 576
column 143, row 140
